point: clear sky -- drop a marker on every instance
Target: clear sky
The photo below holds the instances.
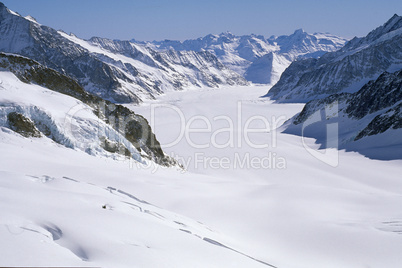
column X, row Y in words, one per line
column 186, row 19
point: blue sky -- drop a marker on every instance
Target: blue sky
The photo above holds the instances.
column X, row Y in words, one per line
column 179, row 19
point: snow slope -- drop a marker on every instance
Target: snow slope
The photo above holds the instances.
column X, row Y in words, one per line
column 118, row 124
column 258, row 59
column 345, row 70
column 70, row 122
column 305, row 213
column 252, row 196
column 368, row 121
column 319, row 215
column 79, row 210
column 118, row 71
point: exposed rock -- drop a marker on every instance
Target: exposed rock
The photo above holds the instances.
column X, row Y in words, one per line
column 375, row 110
column 114, row 147
column 346, row 70
column 22, row 125
column 118, row 71
column 134, row 127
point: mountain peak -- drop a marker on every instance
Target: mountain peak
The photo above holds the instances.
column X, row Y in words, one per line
column 381, row 32
column 209, row 36
column 227, row 34
column 299, row 31
column 30, row 18
column 393, row 23
column 395, row 16
column 4, row 9
column 365, row 57
column 2, row 6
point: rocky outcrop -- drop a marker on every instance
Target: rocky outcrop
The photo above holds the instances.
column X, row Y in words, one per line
column 134, row 127
column 118, row 71
column 346, row 70
column 22, row 125
column 374, row 112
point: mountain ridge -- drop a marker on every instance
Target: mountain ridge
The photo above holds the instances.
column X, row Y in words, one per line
column 135, row 134
column 118, row 78
column 245, row 53
column 345, row 70
column 368, row 121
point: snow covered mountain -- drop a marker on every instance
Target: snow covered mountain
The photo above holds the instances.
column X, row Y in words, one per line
column 119, row 71
column 258, row 59
column 346, row 70
column 84, row 182
column 368, row 121
column 36, row 101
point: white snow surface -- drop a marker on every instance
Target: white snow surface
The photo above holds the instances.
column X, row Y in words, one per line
column 63, row 207
column 258, row 59
column 152, row 71
column 71, row 122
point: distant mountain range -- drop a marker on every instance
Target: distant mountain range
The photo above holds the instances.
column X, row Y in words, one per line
column 256, row 58
column 126, row 72
column 345, row 70
column 118, row 71
column 361, row 77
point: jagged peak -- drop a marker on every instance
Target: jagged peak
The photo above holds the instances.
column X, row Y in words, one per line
column 30, row 18
column 394, row 23
column 227, row 34
column 296, row 34
column 209, row 36
column 95, row 38
column 9, row 12
column 256, row 36
column 299, row 31
column 393, row 19
column 4, row 8
column 273, row 37
column 390, row 28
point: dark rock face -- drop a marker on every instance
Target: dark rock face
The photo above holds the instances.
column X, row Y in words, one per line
column 133, row 126
column 374, row 110
column 346, row 70
column 316, row 105
column 114, row 147
column 384, row 93
column 118, row 71
column 47, row 46
column 30, row 71
column 376, row 95
column 22, row 125
column 392, row 118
